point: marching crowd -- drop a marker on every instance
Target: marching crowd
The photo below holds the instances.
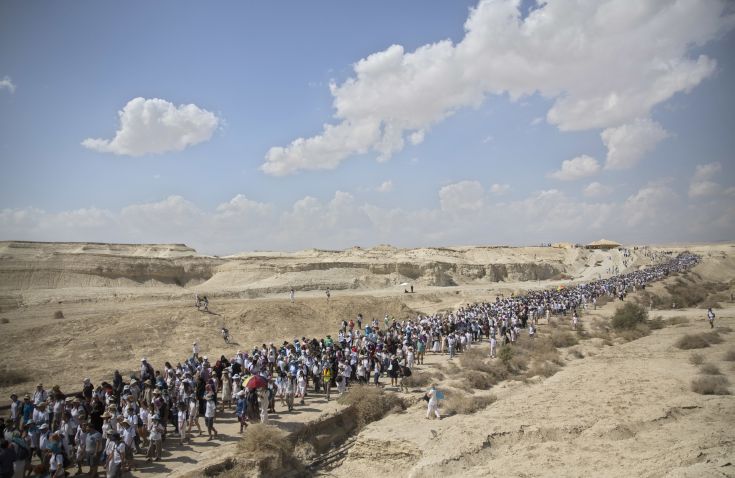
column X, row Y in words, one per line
column 107, row 425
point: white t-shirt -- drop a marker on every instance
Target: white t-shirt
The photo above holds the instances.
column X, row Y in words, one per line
column 209, row 412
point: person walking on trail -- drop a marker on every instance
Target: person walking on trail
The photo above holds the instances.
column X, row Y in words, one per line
column 292, row 294
column 711, row 318
column 433, row 405
column 209, row 414
column 329, row 294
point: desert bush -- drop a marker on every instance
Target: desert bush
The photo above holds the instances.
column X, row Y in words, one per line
column 270, row 447
column 419, row 379
column 709, row 369
column 730, row 355
column 368, row 403
column 457, row 403
column 479, row 380
column 603, row 299
column 543, row 369
column 563, row 339
column 58, row 314
column 692, row 341
column 696, row 359
column 698, row 341
column 8, row 378
column 505, row 354
column 4, row 321
column 641, row 330
column 628, row 317
column 678, row 320
column 710, row 385
column 475, row 359
column 724, row 330
column 686, row 294
column 576, row 354
column 713, row 337
column 656, row 323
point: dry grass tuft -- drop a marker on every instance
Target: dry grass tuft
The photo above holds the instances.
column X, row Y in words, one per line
column 422, row 379
column 710, row 385
column 8, row 378
column 563, row 339
column 544, row 369
column 730, row 355
column 58, row 314
column 576, row 354
column 368, row 403
column 696, row 359
column 698, row 341
column 4, row 321
column 270, row 448
column 678, row 320
column 457, row 403
column 709, row 369
column 479, row 380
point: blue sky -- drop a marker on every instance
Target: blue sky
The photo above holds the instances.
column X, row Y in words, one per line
column 494, row 110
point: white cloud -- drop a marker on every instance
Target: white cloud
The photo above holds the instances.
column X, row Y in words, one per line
column 464, row 195
column 536, row 121
column 602, row 64
column 595, row 189
column 500, row 189
column 577, row 168
column 627, row 144
column 702, row 184
column 156, row 126
column 655, row 213
column 386, row 186
column 7, row 84
column 240, row 206
column 651, row 205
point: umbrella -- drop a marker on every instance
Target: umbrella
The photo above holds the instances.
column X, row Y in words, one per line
column 404, row 283
column 255, row 381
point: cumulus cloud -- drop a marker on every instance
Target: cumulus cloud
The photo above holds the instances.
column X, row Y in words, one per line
column 595, row 189
column 603, row 64
column 654, row 213
column 577, row 168
column 464, row 195
column 628, row 143
column 7, row 84
column 702, row 184
column 651, row 205
column 499, row 189
column 385, row 186
column 155, row 126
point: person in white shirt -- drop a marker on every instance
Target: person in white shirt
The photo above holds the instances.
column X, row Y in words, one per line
column 433, row 405
column 209, row 414
column 115, row 456
column 155, row 437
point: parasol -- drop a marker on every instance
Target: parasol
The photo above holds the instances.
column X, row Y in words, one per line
column 255, row 381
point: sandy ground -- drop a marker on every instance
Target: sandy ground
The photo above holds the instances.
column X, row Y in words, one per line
column 622, row 410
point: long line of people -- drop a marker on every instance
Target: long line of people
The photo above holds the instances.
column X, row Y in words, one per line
column 108, row 424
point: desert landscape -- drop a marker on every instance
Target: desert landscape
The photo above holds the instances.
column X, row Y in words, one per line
column 597, row 402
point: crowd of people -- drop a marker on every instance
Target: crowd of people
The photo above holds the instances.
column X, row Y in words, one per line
column 116, row 423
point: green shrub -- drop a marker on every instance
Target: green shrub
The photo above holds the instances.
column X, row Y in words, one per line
column 629, row 316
